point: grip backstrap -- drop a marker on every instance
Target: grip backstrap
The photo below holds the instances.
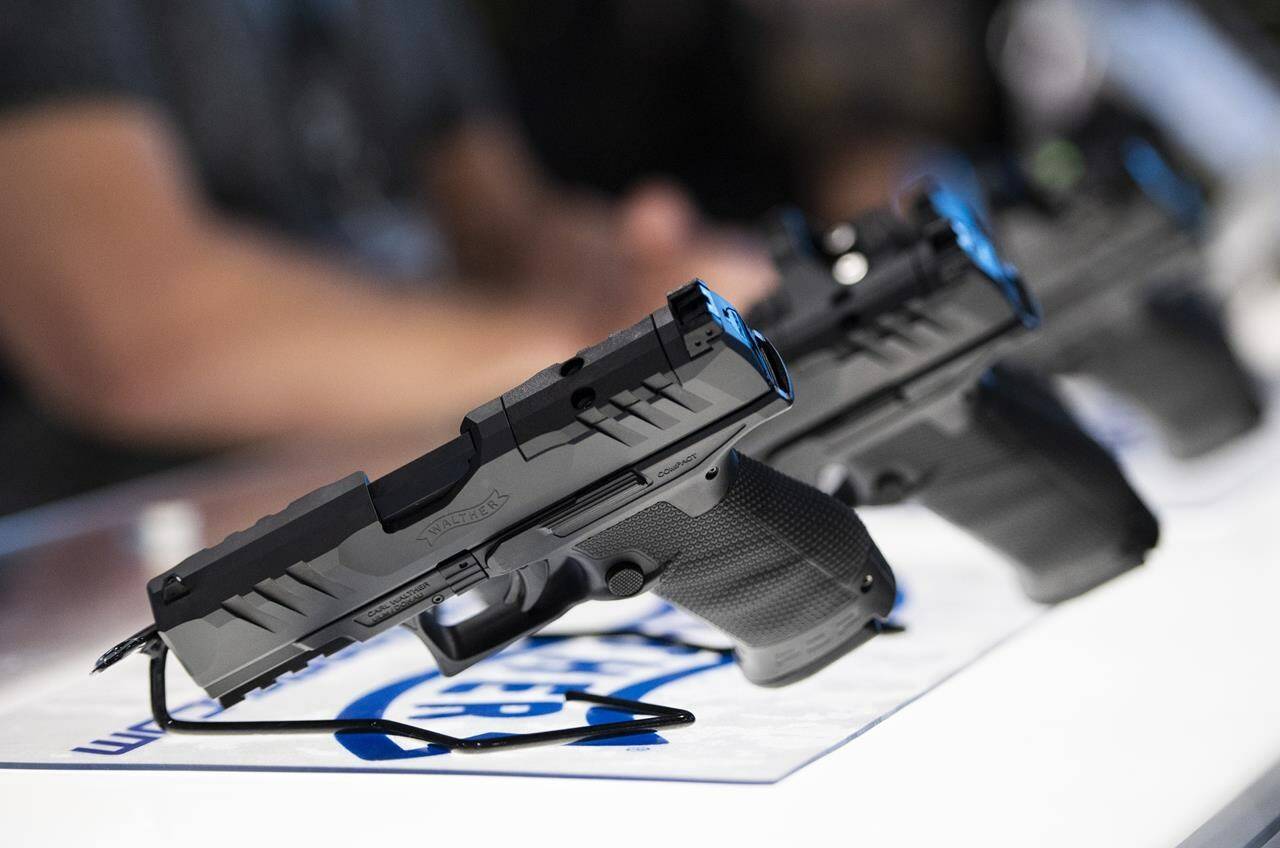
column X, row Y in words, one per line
column 1024, row 477
column 1178, row 366
column 786, row 571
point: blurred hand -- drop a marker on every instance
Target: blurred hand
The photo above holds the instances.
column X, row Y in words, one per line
column 607, row 265
column 671, row 245
column 570, row 260
column 135, row 311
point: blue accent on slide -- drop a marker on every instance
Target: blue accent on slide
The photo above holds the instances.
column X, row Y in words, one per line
column 972, row 238
column 1178, row 196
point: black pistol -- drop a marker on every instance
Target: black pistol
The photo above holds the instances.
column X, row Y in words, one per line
column 891, row 325
column 1106, row 229
column 604, row 476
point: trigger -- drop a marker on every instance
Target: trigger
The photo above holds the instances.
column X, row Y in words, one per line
column 528, row 584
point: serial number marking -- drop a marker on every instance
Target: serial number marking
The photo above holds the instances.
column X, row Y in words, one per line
column 402, row 601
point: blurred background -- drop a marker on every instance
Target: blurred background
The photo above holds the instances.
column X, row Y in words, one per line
column 248, row 246
column 253, row 225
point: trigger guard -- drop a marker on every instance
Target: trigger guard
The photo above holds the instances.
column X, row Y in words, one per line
column 448, row 665
column 539, row 595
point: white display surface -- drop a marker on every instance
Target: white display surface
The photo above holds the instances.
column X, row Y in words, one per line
column 958, row 602
column 1127, row 717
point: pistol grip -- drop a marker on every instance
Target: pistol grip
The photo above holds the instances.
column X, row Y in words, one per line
column 790, row 574
column 1178, row 366
column 1027, row 480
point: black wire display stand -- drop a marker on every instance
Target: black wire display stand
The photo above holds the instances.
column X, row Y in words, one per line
column 656, row 717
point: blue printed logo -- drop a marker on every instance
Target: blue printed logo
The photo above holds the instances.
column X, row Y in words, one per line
column 526, row 684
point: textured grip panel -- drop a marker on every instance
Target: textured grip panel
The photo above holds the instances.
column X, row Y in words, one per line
column 788, row 572
column 1027, row 480
column 1178, row 367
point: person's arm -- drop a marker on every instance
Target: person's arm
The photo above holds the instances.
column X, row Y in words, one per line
column 127, row 305
column 573, row 250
